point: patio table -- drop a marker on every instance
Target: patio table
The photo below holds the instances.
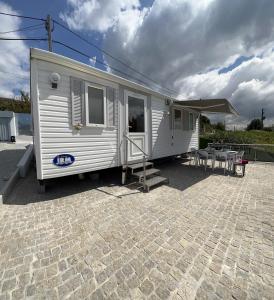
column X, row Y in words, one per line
column 230, row 154
column 212, row 153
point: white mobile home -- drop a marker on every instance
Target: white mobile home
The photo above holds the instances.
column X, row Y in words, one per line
column 86, row 119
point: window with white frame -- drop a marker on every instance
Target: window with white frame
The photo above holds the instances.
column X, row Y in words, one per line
column 95, row 105
column 191, row 121
column 177, row 119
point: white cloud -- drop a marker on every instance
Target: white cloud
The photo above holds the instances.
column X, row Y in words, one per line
column 99, row 15
column 249, row 87
column 92, row 61
column 14, row 56
column 182, row 44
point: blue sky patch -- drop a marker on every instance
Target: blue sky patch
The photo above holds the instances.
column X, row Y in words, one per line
column 236, row 63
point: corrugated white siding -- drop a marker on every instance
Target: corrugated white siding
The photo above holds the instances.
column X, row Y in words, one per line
column 93, row 148
column 165, row 140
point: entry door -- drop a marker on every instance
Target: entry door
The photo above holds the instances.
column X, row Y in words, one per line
column 136, row 125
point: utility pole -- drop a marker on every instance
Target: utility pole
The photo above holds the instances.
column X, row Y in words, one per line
column 263, row 117
column 49, row 31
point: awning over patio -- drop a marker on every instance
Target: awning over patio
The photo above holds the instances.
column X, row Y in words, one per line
column 209, row 106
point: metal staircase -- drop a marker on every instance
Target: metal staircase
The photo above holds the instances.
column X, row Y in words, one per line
column 147, row 175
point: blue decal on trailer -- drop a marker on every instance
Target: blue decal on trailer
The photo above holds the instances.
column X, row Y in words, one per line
column 63, row 160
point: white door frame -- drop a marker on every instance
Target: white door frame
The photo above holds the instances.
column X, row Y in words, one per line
column 136, row 135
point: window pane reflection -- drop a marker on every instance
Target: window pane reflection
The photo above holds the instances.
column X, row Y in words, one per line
column 136, row 120
column 96, row 105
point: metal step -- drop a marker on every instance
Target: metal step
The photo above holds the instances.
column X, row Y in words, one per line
column 140, row 165
column 149, row 172
column 154, row 181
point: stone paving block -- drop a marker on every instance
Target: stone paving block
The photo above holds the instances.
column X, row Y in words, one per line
column 97, row 295
column 109, row 286
column 238, row 293
column 147, row 287
column 8, row 285
column 133, row 282
column 162, row 293
column 123, row 291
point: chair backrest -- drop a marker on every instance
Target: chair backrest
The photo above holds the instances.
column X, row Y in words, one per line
column 203, row 153
column 193, row 150
column 239, row 155
column 221, row 154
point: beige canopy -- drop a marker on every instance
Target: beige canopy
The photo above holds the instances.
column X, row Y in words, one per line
column 209, row 106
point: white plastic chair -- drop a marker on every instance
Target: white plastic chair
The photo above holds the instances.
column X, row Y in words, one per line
column 239, row 156
column 221, row 157
column 193, row 156
column 203, row 156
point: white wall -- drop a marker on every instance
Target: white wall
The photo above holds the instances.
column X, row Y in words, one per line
column 93, row 148
column 162, row 142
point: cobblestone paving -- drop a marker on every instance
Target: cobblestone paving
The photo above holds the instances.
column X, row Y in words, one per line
column 202, row 237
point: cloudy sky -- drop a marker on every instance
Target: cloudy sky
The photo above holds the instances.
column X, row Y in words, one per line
column 198, row 49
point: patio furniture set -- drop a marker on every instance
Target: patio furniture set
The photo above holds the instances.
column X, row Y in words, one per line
column 231, row 159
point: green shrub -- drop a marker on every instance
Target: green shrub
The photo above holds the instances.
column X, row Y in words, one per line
column 239, row 137
column 204, row 142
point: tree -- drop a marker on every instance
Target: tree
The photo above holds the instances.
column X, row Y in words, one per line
column 220, row 126
column 204, row 120
column 263, row 117
column 205, row 124
column 24, row 96
column 255, row 124
column 17, row 106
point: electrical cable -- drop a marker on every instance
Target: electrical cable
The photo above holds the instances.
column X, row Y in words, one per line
column 33, row 27
column 111, row 56
column 98, row 61
column 21, row 16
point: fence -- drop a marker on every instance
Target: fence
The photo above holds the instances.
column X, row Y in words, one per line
column 253, row 152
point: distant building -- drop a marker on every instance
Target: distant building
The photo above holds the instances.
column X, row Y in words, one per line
column 7, row 125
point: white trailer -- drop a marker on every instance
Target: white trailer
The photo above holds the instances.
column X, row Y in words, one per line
column 86, row 119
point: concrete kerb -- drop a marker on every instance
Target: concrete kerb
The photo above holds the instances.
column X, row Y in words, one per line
column 24, row 162
column 9, row 185
column 20, row 171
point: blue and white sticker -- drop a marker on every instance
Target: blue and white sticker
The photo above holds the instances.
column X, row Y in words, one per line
column 63, row 160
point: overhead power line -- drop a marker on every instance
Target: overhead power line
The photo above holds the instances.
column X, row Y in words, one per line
column 111, row 56
column 20, row 16
column 98, row 61
column 23, row 39
column 32, row 27
column 50, row 29
column 77, row 51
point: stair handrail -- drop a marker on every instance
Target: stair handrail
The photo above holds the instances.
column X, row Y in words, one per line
column 129, row 139
column 144, row 158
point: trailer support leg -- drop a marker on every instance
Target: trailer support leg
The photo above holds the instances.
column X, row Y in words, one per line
column 42, row 186
column 124, row 175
